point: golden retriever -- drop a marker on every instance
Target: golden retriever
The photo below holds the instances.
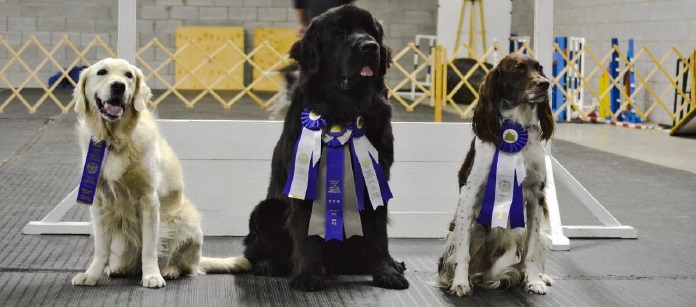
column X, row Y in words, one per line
column 142, row 221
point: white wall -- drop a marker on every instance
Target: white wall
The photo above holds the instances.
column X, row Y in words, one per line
column 228, row 179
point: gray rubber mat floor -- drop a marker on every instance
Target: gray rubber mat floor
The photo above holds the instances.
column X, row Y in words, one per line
column 39, row 166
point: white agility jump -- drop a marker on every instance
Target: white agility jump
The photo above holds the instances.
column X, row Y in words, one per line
column 227, row 165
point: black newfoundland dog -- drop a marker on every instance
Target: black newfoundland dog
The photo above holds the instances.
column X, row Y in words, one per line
column 342, row 64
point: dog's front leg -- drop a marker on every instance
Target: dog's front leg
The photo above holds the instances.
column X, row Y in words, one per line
column 454, row 267
column 102, row 247
column 150, row 219
column 457, row 255
column 307, row 250
column 534, row 260
column 386, row 272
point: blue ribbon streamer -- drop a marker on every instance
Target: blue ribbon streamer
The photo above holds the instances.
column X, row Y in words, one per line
column 486, row 214
column 360, row 181
column 517, row 208
column 334, row 193
column 90, row 172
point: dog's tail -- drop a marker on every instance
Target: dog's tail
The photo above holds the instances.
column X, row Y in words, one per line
column 224, row 265
column 503, row 273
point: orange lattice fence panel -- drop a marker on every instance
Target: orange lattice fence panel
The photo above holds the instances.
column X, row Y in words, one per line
column 33, row 69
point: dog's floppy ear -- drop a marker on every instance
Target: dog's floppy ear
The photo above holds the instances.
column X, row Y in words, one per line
column 79, row 92
column 486, row 121
column 545, row 121
column 384, row 51
column 142, row 91
column 307, row 50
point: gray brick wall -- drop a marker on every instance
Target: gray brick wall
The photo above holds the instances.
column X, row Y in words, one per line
column 80, row 20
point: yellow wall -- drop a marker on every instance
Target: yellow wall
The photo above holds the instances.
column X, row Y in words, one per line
column 206, row 41
column 281, row 39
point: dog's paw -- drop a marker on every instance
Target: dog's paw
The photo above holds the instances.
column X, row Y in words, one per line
column 84, row 279
column 153, row 281
column 399, row 266
column 537, row 287
column 306, row 283
column 171, row 272
column 461, row 289
column 547, row 279
column 390, row 281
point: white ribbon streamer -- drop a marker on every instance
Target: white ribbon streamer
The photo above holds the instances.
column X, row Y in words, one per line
column 363, row 150
column 508, row 164
column 308, row 149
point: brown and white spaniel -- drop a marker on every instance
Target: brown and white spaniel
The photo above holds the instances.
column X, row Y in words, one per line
column 491, row 250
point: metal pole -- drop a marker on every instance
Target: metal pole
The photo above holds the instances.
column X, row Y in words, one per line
column 543, row 33
column 692, row 64
column 437, row 81
column 127, row 35
column 483, row 28
column 472, row 29
column 459, row 26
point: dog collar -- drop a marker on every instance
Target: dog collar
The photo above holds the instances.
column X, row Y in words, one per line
column 533, row 126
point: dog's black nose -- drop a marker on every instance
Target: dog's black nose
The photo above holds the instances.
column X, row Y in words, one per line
column 368, row 46
column 118, row 88
column 543, row 84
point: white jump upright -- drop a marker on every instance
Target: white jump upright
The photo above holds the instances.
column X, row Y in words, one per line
column 52, row 224
column 557, row 235
column 611, row 227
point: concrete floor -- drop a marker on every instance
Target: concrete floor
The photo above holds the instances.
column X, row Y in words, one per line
column 645, row 178
column 652, row 146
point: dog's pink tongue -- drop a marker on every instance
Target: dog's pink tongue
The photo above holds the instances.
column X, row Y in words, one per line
column 113, row 110
column 366, row 71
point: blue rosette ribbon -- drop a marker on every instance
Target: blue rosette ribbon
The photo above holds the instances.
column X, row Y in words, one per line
column 503, row 199
column 302, row 174
column 513, row 137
